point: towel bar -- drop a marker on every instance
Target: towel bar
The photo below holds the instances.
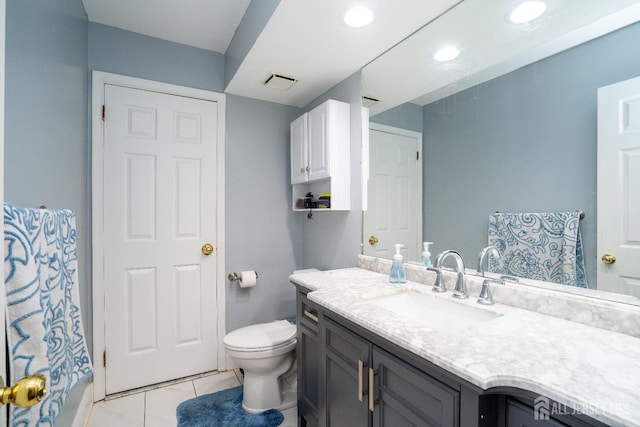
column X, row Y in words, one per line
column 582, row 214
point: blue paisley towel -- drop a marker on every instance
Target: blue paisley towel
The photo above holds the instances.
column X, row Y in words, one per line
column 541, row 246
column 44, row 326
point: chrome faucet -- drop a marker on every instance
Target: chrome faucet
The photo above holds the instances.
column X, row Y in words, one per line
column 460, row 290
column 484, row 258
column 485, row 294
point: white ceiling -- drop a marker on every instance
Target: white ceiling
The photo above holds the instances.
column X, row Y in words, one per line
column 304, row 38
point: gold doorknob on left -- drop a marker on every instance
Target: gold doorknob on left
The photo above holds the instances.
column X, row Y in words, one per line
column 207, row 249
column 373, row 240
column 26, row 392
column 608, row 258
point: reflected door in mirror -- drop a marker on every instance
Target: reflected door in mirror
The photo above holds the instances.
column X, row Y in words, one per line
column 395, row 193
column 619, row 187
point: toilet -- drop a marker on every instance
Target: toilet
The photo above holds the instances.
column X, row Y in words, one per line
column 266, row 353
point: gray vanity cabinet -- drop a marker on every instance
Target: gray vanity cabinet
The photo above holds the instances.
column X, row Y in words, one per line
column 351, row 377
column 346, row 380
column 367, row 386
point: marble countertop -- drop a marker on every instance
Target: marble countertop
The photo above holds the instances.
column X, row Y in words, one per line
column 591, row 370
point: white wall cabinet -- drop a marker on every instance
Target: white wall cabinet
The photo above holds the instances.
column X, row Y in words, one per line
column 320, row 153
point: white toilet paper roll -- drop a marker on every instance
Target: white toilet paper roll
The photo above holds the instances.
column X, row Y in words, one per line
column 248, row 279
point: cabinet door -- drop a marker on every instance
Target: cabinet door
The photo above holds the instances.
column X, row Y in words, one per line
column 299, row 150
column 318, row 154
column 346, row 361
column 308, row 363
column 406, row 396
column 519, row 415
column 308, row 355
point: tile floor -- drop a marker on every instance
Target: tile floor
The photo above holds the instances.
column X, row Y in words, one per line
column 157, row 407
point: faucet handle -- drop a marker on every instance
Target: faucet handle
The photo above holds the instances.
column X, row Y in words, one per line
column 485, row 297
column 437, row 286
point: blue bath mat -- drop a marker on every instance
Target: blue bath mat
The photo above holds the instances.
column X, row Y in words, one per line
column 223, row 409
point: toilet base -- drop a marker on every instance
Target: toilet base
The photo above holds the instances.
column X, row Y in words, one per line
column 289, row 400
column 261, row 393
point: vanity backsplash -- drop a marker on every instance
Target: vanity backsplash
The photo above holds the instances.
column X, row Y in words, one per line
column 609, row 315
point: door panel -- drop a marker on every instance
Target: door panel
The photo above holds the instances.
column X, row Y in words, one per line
column 619, row 186
column 344, row 352
column 159, row 209
column 318, row 147
column 299, row 153
column 409, row 397
column 394, row 199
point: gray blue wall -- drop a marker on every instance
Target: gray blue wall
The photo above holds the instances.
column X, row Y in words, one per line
column 262, row 231
column 46, row 132
column 405, row 116
column 332, row 239
column 122, row 52
column 46, row 113
column 522, row 142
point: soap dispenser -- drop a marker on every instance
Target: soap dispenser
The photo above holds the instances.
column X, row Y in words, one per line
column 397, row 273
column 426, row 255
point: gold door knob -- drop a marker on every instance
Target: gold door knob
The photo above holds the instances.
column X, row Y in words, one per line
column 26, row 392
column 207, row 249
column 608, row 258
column 373, row 240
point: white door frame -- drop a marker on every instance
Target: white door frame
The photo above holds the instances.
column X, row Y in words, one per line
column 410, row 134
column 3, row 301
column 100, row 79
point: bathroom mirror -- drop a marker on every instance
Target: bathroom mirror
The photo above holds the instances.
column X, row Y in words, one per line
column 509, row 125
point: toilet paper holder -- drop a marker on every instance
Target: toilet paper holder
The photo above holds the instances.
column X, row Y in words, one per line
column 233, row 277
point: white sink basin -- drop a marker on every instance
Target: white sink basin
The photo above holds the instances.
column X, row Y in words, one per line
column 436, row 313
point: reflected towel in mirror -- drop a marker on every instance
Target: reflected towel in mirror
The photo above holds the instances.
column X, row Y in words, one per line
column 542, row 246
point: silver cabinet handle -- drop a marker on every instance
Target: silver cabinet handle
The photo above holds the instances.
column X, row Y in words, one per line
column 372, row 402
column 311, row 316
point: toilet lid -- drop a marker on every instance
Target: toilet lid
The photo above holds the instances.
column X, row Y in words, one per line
column 261, row 336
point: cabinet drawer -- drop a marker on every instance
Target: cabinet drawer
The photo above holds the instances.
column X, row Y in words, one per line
column 407, row 396
column 307, row 312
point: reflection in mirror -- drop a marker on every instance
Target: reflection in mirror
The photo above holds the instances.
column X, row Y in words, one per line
column 511, row 124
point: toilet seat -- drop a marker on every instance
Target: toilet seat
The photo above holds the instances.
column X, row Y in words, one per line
column 261, row 337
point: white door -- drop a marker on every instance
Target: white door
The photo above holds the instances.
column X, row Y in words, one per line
column 619, row 187
column 394, row 193
column 159, row 211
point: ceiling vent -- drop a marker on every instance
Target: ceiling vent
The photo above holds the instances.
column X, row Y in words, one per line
column 280, row 81
column 369, row 101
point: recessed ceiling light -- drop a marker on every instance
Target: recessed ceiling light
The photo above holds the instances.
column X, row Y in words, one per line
column 445, row 54
column 358, row 16
column 526, row 11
